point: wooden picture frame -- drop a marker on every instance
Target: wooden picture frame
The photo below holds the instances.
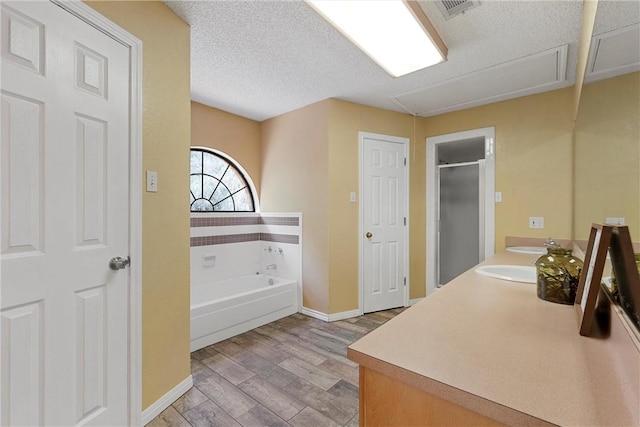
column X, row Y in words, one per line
column 627, row 277
column 591, row 275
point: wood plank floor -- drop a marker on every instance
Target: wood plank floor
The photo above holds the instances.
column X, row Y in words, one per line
column 291, row 372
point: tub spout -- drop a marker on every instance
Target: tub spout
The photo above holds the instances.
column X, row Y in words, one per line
column 271, row 267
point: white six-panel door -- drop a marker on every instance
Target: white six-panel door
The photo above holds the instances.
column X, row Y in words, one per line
column 65, row 214
column 384, row 193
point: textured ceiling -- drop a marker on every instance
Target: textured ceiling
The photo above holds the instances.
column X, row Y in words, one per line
column 259, row 59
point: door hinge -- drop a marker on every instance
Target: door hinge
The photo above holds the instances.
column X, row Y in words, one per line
column 405, row 221
column 405, row 281
column 405, row 161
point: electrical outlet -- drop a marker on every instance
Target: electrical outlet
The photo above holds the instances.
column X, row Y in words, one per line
column 152, row 181
column 498, row 196
column 536, row 222
column 352, row 197
column 614, row 221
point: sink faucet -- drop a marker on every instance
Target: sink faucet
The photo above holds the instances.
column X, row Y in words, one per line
column 550, row 243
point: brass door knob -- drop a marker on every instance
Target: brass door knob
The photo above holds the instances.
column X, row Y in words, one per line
column 369, row 235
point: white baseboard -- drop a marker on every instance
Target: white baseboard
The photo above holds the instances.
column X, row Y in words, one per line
column 163, row 403
column 330, row 317
column 344, row 315
column 415, row 301
column 315, row 314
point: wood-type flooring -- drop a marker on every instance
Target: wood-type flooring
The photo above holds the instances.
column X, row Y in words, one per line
column 291, row 372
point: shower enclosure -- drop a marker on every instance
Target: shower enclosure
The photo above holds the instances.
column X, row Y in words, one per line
column 461, row 218
column 460, row 193
column 460, row 213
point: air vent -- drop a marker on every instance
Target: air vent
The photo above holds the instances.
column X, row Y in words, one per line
column 451, row 8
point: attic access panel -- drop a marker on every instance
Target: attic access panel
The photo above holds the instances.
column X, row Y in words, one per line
column 614, row 53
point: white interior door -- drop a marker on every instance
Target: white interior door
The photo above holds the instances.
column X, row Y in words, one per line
column 65, row 214
column 384, row 212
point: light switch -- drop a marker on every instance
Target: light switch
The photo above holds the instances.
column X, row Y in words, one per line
column 352, row 197
column 498, row 196
column 152, row 181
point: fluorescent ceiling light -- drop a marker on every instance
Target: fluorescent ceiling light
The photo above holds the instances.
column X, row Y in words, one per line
column 394, row 33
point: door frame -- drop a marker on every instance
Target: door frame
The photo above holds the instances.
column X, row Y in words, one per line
column 405, row 144
column 489, row 135
column 101, row 23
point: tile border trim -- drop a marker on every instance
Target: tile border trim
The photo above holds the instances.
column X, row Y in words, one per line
column 244, row 220
column 247, row 237
column 280, row 238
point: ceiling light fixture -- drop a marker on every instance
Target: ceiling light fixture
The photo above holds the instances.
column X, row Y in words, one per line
column 394, row 33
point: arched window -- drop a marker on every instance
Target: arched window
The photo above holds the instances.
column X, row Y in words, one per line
column 217, row 185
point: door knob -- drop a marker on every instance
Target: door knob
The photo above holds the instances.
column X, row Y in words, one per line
column 118, row 263
column 368, row 235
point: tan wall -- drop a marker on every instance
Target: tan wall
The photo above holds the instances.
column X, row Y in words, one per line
column 533, row 160
column 310, row 165
column 346, row 119
column 607, row 154
column 236, row 136
column 533, row 171
column 165, row 224
column 294, row 179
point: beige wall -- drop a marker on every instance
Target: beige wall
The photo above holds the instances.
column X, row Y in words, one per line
column 346, row 119
column 533, row 171
column 165, row 224
column 533, row 160
column 607, row 154
column 295, row 167
column 310, row 165
column 236, row 136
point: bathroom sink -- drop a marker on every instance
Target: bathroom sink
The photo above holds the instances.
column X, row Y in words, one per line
column 513, row 273
column 538, row 250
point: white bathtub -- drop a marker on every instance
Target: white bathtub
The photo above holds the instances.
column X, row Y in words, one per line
column 221, row 310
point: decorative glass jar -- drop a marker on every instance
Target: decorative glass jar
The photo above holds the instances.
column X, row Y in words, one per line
column 558, row 274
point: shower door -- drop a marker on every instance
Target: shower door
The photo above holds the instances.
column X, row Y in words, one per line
column 460, row 219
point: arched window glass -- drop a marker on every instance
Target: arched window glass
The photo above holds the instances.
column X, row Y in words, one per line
column 217, row 185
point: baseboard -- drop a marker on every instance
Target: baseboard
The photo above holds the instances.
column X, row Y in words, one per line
column 330, row 317
column 163, row 403
column 415, row 301
column 344, row 315
column 315, row 314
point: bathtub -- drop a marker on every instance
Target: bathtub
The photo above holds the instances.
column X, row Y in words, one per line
column 221, row 310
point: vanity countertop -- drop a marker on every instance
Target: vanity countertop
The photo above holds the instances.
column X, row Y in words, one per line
column 492, row 346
